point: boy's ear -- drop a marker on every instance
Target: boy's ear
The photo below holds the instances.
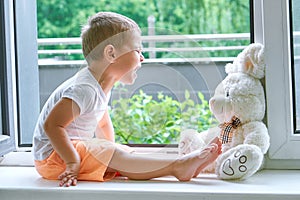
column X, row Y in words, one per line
column 109, row 53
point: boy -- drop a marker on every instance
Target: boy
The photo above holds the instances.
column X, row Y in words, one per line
column 74, row 136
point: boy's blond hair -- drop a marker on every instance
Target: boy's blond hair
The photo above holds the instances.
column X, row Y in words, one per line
column 102, row 29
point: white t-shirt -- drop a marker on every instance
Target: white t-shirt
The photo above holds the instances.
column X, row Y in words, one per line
column 83, row 89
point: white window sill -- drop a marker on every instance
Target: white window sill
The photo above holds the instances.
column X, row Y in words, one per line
column 23, row 182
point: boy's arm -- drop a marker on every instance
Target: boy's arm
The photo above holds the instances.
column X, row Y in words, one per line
column 105, row 128
column 63, row 113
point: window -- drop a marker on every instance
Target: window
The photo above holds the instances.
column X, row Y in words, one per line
column 185, row 40
column 1, row 108
column 295, row 38
column 7, row 108
column 27, row 73
column 19, row 68
column 274, row 31
column 271, row 27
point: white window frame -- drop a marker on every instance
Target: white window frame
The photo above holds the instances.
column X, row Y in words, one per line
column 271, row 19
column 21, row 65
column 27, row 69
column 9, row 143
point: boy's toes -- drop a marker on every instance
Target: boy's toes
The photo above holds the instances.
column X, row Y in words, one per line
column 215, row 140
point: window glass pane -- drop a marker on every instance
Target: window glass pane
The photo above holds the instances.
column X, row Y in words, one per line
column 179, row 71
column 7, row 137
column 27, row 68
column 1, row 128
column 3, row 131
column 2, row 71
column 296, row 41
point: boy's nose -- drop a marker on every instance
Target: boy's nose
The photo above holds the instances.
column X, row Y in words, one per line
column 142, row 58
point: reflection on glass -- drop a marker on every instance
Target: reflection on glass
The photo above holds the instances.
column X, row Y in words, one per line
column 296, row 41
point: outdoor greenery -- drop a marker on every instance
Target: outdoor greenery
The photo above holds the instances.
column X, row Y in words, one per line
column 143, row 120
column 64, row 18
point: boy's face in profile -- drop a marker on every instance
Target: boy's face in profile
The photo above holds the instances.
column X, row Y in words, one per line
column 129, row 58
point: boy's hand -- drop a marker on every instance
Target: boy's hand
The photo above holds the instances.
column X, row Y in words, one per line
column 69, row 176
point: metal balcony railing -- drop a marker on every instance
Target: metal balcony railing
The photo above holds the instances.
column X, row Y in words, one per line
column 181, row 48
column 57, row 49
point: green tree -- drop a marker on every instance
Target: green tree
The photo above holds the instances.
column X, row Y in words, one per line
column 64, row 18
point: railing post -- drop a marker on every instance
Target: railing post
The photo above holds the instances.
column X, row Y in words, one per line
column 151, row 31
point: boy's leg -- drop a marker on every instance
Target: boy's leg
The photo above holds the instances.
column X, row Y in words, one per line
column 183, row 168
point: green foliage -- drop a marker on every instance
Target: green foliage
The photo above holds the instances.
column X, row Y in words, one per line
column 64, row 18
column 143, row 120
column 203, row 16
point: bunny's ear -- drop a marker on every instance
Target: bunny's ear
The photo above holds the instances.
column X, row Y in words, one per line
column 249, row 61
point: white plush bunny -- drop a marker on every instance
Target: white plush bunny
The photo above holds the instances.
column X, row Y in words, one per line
column 239, row 106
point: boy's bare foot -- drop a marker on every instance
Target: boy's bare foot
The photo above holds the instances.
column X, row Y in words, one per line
column 189, row 165
column 214, row 141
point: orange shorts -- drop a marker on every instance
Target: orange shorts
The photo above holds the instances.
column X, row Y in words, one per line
column 95, row 155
